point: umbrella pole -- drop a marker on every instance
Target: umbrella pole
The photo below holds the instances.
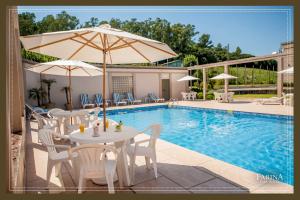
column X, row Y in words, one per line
column 103, row 84
column 70, row 85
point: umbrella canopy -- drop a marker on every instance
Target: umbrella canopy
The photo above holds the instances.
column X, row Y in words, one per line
column 289, row 70
column 223, row 76
column 89, row 44
column 188, row 78
column 63, row 67
column 101, row 44
column 66, row 68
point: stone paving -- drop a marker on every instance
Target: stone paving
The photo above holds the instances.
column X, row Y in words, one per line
column 180, row 170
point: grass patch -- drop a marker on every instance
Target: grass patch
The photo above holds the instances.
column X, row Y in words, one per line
column 253, row 96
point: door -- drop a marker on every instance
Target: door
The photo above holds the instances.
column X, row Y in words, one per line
column 165, row 86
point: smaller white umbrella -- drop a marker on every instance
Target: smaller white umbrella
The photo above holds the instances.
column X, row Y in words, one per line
column 289, row 70
column 223, row 76
column 188, row 78
column 66, row 68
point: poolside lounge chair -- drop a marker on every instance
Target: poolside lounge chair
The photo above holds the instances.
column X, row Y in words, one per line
column 155, row 98
column 85, row 102
column 99, row 100
column 131, row 99
column 272, row 100
column 117, row 99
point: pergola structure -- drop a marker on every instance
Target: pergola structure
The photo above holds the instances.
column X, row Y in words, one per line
column 279, row 58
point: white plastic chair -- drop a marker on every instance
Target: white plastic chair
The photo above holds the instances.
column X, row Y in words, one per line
column 54, row 158
column 193, row 95
column 184, row 96
column 148, row 151
column 95, row 164
column 47, row 123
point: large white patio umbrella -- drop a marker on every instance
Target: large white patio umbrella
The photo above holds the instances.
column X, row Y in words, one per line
column 289, row 70
column 224, row 76
column 188, row 78
column 101, row 44
column 67, row 68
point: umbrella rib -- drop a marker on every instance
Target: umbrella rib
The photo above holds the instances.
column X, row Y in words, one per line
column 48, row 69
column 156, row 48
column 114, row 44
column 135, row 50
column 86, row 71
column 89, row 41
column 101, row 40
column 90, row 45
column 122, row 46
column 81, row 47
column 108, row 51
column 57, row 41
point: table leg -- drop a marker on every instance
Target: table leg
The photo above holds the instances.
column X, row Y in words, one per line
column 123, row 164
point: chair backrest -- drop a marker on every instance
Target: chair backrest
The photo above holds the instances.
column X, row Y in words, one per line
column 155, row 133
column 52, row 111
column 152, row 96
column 84, row 99
column 130, row 96
column 193, row 95
column 92, row 157
column 98, row 98
column 116, row 97
column 46, row 137
column 94, row 115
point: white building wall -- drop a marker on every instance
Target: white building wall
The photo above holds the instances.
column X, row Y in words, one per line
column 178, row 87
column 146, row 81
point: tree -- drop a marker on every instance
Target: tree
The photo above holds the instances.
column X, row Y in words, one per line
column 238, row 51
column 61, row 22
column 27, row 24
column 36, row 94
column 94, row 21
column 204, row 41
column 189, row 60
column 49, row 82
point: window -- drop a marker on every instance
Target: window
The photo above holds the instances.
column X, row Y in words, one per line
column 122, row 84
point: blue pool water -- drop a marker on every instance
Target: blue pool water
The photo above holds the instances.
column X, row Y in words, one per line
column 257, row 142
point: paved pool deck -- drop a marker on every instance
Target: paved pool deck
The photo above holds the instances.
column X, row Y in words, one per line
column 180, row 170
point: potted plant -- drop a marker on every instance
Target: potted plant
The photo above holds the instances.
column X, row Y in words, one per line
column 36, row 94
column 66, row 89
column 49, row 82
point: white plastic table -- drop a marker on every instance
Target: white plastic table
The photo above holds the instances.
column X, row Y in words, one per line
column 110, row 136
column 65, row 116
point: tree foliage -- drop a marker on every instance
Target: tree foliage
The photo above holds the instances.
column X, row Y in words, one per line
column 182, row 38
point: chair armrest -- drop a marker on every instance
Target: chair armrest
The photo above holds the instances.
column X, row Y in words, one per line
column 142, row 141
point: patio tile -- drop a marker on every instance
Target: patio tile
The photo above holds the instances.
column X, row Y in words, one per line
column 143, row 174
column 274, row 187
column 234, row 173
column 159, row 185
column 184, row 175
column 180, row 154
column 217, row 185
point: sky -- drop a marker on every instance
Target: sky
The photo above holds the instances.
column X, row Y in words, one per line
column 258, row 30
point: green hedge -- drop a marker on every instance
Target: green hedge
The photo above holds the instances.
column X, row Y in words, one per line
column 36, row 56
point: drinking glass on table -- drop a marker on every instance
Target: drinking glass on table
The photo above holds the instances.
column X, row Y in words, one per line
column 81, row 128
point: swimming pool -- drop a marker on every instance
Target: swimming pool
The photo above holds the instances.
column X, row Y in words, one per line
column 257, row 142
